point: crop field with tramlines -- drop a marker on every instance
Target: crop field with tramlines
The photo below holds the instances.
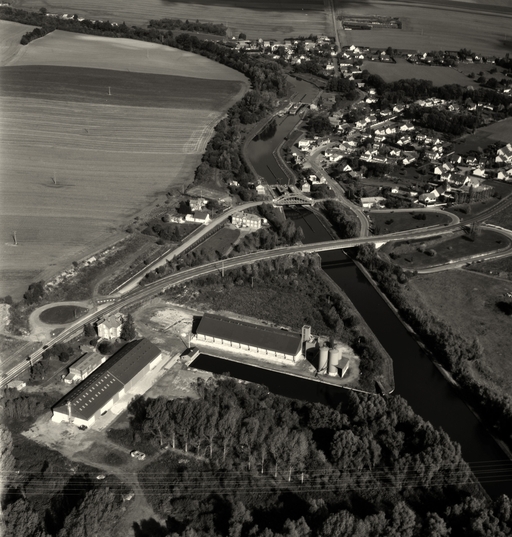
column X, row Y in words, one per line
column 483, row 27
column 257, row 18
column 77, row 162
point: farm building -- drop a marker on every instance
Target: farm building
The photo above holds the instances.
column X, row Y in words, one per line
column 248, row 337
column 110, row 327
column 84, row 366
column 98, row 393
column 199, row 217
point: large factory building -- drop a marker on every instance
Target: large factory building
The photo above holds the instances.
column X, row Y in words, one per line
column 98, row 393
column 255, row 339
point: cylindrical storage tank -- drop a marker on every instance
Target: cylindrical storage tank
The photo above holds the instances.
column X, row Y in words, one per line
column 334, row 358
column 322, row 360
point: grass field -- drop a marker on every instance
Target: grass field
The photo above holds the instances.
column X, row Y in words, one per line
column 401, row 221
column 220, row 242
column 62, row 314
column 497, row 132
column 467, row 301
column 434, row 25
column 108, row 158
column 256, row 18
column 439, row 76
column 458, row 247
column 497, row 267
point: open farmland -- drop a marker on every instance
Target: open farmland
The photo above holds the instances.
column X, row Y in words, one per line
column 500, row 131
column 77, row 50
column 391, row 72
column 10, row 35
column 256, row 18
column 76, row 164
column 434, row 25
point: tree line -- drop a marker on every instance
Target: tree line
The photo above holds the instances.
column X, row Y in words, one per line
column 242, row 461
column 189, row 26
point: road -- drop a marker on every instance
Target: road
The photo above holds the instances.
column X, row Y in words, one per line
column 332, row 8
column 140, row 293
column 195, row 237
column 338, row 189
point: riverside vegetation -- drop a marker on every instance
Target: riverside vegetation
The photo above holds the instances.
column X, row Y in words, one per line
column 450, row 349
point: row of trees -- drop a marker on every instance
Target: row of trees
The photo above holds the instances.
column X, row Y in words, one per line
column 189, row 26
column 343, row 219
column 453, row 351
column 259, row 464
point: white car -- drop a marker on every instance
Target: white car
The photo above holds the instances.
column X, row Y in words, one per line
column 138, row 455
column 100, row 477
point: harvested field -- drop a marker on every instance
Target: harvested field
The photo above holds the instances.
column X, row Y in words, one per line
column 257, row 18
column 76, row 162
column 434, row 25
column 77, row 50
column 439, row 76
column 10, row 35
column 467, row 301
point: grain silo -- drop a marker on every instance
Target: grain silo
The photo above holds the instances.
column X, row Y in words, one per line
column 322, row 360
column 334, row 358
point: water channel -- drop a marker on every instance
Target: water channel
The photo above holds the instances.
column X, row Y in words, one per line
column 416, row 378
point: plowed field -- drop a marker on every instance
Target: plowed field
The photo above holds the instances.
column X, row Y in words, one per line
column 257, row 18
column 76, row 162
column 482, row 27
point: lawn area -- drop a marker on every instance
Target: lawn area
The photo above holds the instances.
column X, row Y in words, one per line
column 62, row 314
column 439, row 76
column 391, row 222
column 467, row 301
column 408, row 255
column 219, row 242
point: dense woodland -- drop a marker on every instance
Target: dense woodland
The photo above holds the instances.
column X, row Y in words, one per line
column 449, row 348
column 244, row 462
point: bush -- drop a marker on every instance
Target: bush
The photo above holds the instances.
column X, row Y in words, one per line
column 431, row 252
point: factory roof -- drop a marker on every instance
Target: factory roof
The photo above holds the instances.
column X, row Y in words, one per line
column 263, row 337
column 102, row 384
column 88, row 360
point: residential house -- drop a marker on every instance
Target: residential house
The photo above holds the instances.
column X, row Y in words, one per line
column 110, row 327
column 252, row 221
column 199, row 217
column 371, row 202
column 504, row 154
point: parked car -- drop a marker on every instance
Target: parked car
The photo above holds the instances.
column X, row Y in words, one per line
column 138, row 455
column 101, row 477
column 128, row 497
column 82, row 427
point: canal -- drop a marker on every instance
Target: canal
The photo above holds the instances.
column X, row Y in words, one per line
column 417, row 379
column 262, row 147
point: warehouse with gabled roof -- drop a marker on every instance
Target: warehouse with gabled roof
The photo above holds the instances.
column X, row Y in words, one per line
column 98, row 393
column 253, row 338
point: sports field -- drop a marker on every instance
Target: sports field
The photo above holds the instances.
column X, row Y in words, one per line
column 439, row 76
column 77, row 162
column 483, row 27
column 256, row 18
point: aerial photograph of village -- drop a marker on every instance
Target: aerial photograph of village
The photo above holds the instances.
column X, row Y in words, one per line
column 256, row 268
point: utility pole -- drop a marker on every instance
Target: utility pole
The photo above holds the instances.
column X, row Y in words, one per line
column 109, row 91
column 54, row 178
column 223, row 268
column 14, row 238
